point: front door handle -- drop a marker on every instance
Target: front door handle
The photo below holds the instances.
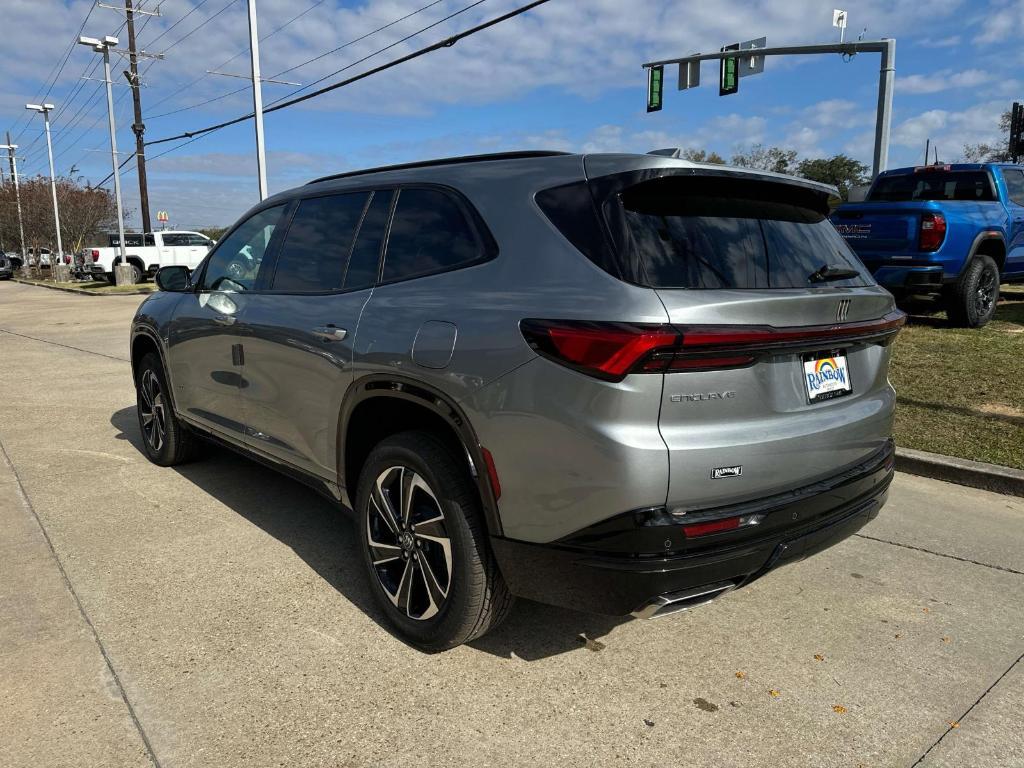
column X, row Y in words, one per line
column 330, row 332
column 224, row 319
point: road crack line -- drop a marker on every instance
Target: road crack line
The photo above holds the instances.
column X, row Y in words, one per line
column 965, row 714
column 941, row 554
column 78, row 602
column 66, row 346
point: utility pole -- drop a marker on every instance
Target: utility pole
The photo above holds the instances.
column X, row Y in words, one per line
column 45, row 109
column 257, row 100
column 17, row 196
column 138, row 128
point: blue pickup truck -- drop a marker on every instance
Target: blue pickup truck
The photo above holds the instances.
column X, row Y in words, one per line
column 957, row 230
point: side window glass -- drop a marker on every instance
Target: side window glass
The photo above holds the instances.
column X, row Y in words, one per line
column 149, row 240
column 316, row 248
column 362, row 267
column 172, row 238
column 234, row 265
column 1014, row 184
column 429, row 233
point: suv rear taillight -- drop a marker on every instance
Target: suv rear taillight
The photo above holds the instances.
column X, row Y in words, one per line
column 95, row 255
column 610, row 351
column 933, row 231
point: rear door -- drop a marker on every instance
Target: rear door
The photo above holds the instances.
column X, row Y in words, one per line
column 300, row 329
column 1014, row 180
column 738, row 263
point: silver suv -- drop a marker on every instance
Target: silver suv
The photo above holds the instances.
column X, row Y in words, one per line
column 619, row 383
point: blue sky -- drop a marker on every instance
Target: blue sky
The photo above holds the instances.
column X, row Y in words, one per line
column 566, row 76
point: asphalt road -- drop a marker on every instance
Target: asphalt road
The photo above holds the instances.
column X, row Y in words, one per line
column 216, row 615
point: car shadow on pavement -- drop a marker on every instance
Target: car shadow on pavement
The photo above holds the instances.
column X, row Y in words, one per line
column 324, row 535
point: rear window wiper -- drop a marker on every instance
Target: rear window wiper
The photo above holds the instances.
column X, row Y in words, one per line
column 827, row 272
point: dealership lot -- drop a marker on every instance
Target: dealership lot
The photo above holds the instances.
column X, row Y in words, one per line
column 217, row 614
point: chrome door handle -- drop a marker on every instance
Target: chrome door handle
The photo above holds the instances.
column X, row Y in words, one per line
column 224, row 319
column 330, row 333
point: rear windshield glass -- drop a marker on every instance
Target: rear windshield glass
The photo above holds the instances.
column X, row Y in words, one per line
column 731, row 233
column 932, row 185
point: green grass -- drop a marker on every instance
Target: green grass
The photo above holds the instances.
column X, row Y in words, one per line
column 961, row 392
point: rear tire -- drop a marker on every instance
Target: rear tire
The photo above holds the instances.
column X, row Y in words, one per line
column 438, row 585
column 971, row 300
column 166, row 441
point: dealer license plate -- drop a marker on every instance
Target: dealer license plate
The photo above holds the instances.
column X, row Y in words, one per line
column 826, row 375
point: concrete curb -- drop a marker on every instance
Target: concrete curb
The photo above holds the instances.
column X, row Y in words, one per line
column 976, row 474
column 80, row 291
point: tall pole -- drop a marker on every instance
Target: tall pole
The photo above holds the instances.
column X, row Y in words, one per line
column 53, row 192
column 113, row 153
column 886, row 75
column 138, row 128
column 17, row 196
column 257, row 99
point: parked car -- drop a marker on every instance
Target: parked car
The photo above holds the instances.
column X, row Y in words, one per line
column 147, row 253
column 39, row 257
column 6, row 267
column 15, row 259
column 618, row 383
column 956, row 229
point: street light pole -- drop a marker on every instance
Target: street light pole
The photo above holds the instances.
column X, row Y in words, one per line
column 17, row 194
column 104, row 47
column 45, row 110
column 257, row 100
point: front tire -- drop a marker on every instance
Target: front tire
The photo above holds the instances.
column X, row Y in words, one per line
column 424, row 544
column 971, row 300
column 166, row 441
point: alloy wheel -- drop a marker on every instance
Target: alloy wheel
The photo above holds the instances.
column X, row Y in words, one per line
column 986, row 292
column 153, row 411
column 409, row 546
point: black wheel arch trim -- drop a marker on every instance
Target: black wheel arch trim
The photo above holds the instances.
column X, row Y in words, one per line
column 416, row 392
column 153, row 336
column 980, row 238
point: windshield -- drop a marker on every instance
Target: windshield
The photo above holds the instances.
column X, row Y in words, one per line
column 932, row 185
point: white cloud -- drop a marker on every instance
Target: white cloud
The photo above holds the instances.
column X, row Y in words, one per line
column 1001, row 22
column 942, row 80
column 950, row 130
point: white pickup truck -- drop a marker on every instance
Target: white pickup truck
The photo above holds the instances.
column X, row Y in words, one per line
column 147, row 253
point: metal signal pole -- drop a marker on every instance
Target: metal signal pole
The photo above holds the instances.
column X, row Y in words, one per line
column 257, row 100
column 138, row 128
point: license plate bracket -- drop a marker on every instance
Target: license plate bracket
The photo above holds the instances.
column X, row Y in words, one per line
column 826, row 375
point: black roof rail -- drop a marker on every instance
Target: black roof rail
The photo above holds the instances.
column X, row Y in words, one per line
column 443, row 161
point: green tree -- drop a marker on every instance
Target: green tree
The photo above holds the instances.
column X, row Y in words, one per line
column 762, row 158
column 840, row 170
column 992, row 153
column 702, row 156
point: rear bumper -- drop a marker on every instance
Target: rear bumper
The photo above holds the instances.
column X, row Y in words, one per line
column 910, row 278
column 611, row 569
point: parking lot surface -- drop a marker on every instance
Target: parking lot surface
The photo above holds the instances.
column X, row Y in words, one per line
column 216, row 614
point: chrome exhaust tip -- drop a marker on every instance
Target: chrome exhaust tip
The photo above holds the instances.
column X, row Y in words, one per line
column 674, row 602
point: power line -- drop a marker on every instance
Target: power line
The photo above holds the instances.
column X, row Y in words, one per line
column 195, row 8
column 189, row 84
column 187, row 35
column 446, row 43
column 315, row 58
column 194, row 136
column 54, row 75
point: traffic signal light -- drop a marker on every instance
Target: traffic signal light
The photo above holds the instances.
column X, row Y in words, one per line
column 728, row 72
column 655, row 87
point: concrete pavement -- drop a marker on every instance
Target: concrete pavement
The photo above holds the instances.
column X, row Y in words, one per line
column 217, row 614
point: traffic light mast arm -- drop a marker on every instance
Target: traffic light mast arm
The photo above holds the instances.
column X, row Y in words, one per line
column 851, row 48
column 886, row 47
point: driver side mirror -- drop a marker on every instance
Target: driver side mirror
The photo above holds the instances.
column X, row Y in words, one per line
column 176, row 279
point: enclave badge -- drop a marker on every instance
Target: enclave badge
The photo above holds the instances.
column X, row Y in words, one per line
column 719, row 472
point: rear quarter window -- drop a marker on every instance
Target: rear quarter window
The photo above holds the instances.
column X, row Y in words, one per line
column 430, row 233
